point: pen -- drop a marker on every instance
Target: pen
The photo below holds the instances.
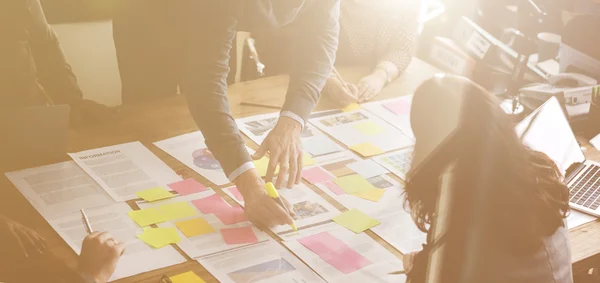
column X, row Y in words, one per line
column 86, row 221
column 339, row 77
column 272, row 192
column 399, row 272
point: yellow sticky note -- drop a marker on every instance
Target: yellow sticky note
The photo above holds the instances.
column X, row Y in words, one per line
column 177, row 210
column 188, row 277
column 352, row 107
column 307, row 160
column 353, row 184
column 195, row 227
column 154, row 194
column 159, row 237
column 147, row 217
column 369, row 128
column 372, row 195
column 356, row 221
column 262, row 165
column 367, row 149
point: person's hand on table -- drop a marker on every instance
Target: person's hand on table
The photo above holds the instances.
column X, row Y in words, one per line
column 370, row 86
column 259, row 208
column 285, row 150
column 337, row 92
column 18, row 236
column 99, row 256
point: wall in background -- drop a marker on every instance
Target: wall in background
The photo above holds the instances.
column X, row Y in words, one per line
column 90, row 50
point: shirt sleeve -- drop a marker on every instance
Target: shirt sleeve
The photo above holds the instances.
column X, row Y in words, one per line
column 210, row 30
column 403, row 41
column 314, row 45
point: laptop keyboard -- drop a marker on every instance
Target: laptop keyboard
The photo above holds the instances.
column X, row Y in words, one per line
column 586, row 190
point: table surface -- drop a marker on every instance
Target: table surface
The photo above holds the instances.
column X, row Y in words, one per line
column 164, row 118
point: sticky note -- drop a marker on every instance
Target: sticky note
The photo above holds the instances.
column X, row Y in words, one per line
column 355, row 221
column 366, row 149
column 159, row 237
column 369, row 128
column 154, row 194
column 211, row 204
column 238, row 236
column 232, row 215
column 353, row 184
column 367, row 168
column 400, row 107
column 146, row 217
column 334, row 188
column 307, row 160
column 236, row 193
column 372, row 195
column 195, row 227
column 262, row 165
column 188, row 277
column 351, row 107
column 177, row 210
column 316, row 175
column 187, row 187
column 335, row 252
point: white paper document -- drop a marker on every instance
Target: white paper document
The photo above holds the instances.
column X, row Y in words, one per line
column 362, row 127
column 367, row 168
column 577, row 218
column 138, row 256
column 398, row 162
column 395, row 111
column 58, row 189
column 340, row 255
column 266, row 262
column 310, row 208
column 191, row 150
column 125, row 169
column 314, row 141
column 204, row 244
column 400, row 231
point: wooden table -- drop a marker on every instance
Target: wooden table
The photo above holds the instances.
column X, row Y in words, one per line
column 165, row 118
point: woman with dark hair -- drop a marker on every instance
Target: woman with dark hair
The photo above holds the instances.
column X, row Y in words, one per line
column 507, row 204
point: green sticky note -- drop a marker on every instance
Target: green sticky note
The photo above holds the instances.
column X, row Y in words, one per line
column 369, row 128
column 159, row 237
column 147, row 217
column 154, row 194
column 372, row 195
column 353, row 184
column 177, row 210
column 356, row 221
column 195, row 227
column 188, row 277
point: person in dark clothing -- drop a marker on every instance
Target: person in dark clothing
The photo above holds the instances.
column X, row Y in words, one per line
column 33, row 67
column 188, row 42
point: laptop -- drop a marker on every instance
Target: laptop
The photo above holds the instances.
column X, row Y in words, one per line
column 547, row 130
column 33, row 136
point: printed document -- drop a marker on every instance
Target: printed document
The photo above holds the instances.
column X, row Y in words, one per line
column 395, row 111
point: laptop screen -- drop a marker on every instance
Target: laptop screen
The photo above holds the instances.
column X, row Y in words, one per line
column 547, row 130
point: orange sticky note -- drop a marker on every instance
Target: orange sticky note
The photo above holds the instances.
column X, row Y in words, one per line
column 195, row 227
column 366, row 149
column 372, row 194
column 352, row 107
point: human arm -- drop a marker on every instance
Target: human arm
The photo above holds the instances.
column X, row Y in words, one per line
column 100, row 253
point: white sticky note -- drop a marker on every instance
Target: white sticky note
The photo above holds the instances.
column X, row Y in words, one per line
column 367, row 168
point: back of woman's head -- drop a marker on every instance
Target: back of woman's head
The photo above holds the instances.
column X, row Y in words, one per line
column 458, row 123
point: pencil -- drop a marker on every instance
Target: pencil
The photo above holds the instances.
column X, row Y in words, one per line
column 339, row 77
column 86, row 221
column 399, row 272
column 260, row 105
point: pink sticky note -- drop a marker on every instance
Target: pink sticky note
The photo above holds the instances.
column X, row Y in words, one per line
column 316, row 175
column 187, row 187
column 335, row 252
column 334, row 188
column 237, row 236
column 400, row 107
column 231, row 215
column 211, row 204
column 236, row 193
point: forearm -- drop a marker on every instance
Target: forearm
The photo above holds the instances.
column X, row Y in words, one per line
column 314, row 47
column 387, row 70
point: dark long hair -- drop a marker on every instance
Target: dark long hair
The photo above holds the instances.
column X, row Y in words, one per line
column 527, row 199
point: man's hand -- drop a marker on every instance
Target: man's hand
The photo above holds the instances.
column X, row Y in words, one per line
column 22, row 237
column 261, row 209
column 285, row 149
column 99, row 256
column 337, row 92
column 370, row 86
